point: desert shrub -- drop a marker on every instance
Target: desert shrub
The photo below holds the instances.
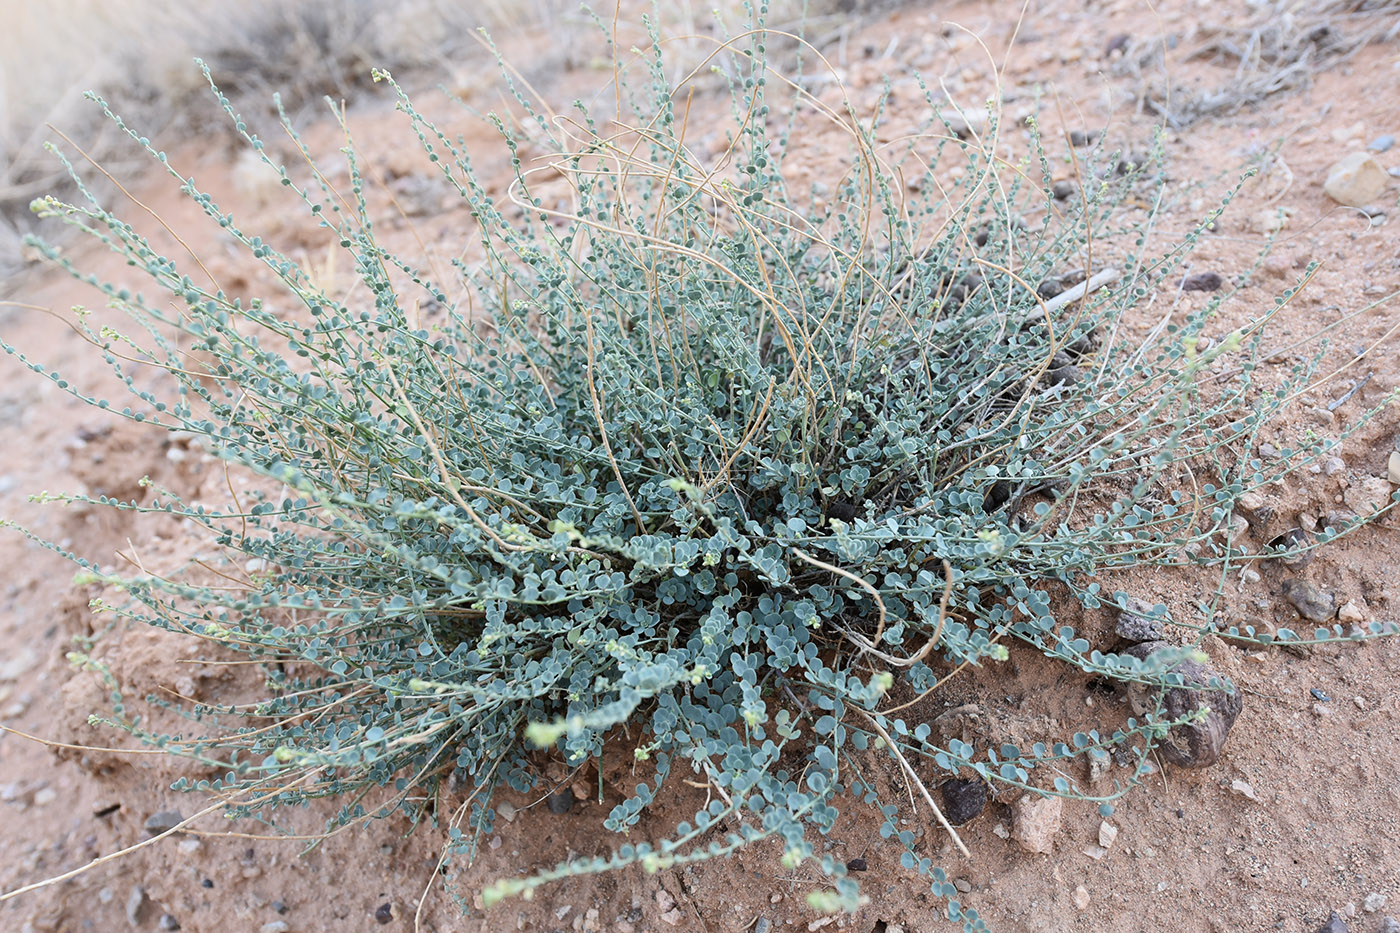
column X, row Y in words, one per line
column 702, row 454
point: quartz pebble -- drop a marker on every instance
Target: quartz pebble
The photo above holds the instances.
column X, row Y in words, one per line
column 1355, row 179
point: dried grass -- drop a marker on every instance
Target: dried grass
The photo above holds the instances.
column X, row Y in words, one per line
column 1278, row 49
column 138, row 54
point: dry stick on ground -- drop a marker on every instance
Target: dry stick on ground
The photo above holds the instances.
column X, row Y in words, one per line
column 914, row 777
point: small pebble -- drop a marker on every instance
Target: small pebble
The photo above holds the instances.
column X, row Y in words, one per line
column 506, row 812
column 163, row 821
column 1319, row 695
column 1193, row 744
column 1202, row 282
column 1243, row 788
column 386, row 913
column 1355, row 179
column 857, row 864
column 1374, row 902
column 561, row 801
column 1063, row 190
column 278, row 907
column 1108, row 833
column 45, row 795
column 1382, row 143
column 1311, row 603
column 1334, row 924
column 275, row 926
column 1081, row 898
column 168, row 922
column 1389, row 925
column 963, row 800
column 1136, row 621
column 1037, row 822
column 136, row 905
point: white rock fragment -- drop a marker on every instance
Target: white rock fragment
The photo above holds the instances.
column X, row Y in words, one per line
column 1351, row 612
column 1355, row 179
column 1107, row 834
column 1374, row 902
column 1243, row 788
column 1000, row 831
column 1269, row 220
column 1081, row 898
column 1095, row 851
column 1037, row 821
column 1392, row 468
column 1367, row 494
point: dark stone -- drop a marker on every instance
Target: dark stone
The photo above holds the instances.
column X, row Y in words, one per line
column 997, row 496
column 1135, row 623
column 1334, row 924
column 1311, row 603
column 1084, row 344
column 1049, row 288
column 1063, row 190
column 1133, row 162
column 207, row 883
column 385, row 913
column 969, row 283
column 162, row 822
column 1062, row 371
column 963, row 800
column 841, row 511
column 279, row 907
column 1194, row 744
column 1079, row 138
column 1118, row 43
column 561, row 801
column 857, row 864
column 1202, row 282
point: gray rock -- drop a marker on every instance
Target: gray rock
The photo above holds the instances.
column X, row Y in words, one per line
column 1311, row 603
column 137, row 906
column 1135, row 622
column 1382, row 143
column 1193, row 744
column 1389, row 925
column 1063, row 190
column 168, row 922
column 1202, row 282
column 163, row 821
column 561, row 801
column 1334, row 924
column 1374, row 902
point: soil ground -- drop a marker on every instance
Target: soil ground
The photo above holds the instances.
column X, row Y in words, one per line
column 1317, row 744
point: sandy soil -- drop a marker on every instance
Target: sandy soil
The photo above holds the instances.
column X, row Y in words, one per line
column 1316, row 745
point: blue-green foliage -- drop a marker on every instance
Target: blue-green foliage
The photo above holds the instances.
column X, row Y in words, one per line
column 703, row 454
